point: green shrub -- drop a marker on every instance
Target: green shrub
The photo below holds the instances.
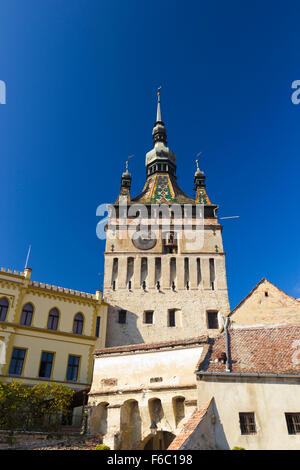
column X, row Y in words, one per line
column 238, row 448
column 11, row 440
column 101, row 447
column 33, row 408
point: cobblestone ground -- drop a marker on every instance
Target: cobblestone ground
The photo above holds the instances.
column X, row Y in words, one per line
column 75, row 443
column 87, row 445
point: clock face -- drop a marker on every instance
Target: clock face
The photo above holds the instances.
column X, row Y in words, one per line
column 144, row 240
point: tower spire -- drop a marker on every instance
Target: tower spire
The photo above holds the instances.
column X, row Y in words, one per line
column 159, row 132
column 199, row 182
column 160, row 159
column 158, row 114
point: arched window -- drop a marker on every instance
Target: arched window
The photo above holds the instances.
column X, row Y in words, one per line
column 53, row 319
column 26, row 316
column 3, row 308
column 78, row 324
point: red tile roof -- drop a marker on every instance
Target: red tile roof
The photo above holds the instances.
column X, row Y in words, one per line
column 262, row 350
column 150, row 346
column 189, row 428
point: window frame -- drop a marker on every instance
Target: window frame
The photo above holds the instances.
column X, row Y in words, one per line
column 27, row 311
column 292, row 425
column 98, row 323
column 172, row 310
column 124, row 313
column 4, row 307
column 17, row 358
column 78, row 322
column 216, row 318
column 57, row 317
column 247, row 420
column 52, row 363
column 147, row 312
column 72, row 366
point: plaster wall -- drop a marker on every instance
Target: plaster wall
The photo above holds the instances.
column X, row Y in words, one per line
column 269, row 399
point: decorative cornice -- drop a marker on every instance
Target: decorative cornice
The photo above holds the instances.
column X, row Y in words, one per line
column 45, row 330
column 60, row 291
column 21, row 377
column 119, row 391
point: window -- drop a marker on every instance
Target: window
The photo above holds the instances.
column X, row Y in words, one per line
column 46, row 364
column 171, row 318
column 144, row 272
column 26, row 316
column 157, row 270
column 293, row 422
column 148, row 317
column 53, row 319
column 186, row 273
column 130, row 270
column 198, row 271
column 212, row 273
column 212, row 320
column 78, row 324
column 73, row 367
column 97, row 327
column 114, row 273
column 247, row 423
column 173, row 273
column 3, row 309
column 17, row 361
column 170, row 242
column 122, row 316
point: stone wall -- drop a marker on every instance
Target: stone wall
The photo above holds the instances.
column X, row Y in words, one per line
column 266, row 304
column 133, row 389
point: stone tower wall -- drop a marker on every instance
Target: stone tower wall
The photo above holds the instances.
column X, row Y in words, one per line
column 124, row 290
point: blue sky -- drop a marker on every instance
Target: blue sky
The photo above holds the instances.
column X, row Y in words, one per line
column 81, row 81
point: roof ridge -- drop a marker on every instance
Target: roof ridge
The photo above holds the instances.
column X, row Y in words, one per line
column 254, row 288
column 157, row 345
column 189, row 427
column 262, row 327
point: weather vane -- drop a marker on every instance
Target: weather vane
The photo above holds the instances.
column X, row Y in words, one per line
column 197, row 161
column 127, row 161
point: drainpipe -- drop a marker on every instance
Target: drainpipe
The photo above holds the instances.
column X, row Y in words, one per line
column 225, row 324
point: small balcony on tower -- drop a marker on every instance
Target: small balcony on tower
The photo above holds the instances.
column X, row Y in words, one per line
column 170, row 243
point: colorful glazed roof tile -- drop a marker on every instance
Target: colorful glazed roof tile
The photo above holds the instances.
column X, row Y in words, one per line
column 202, row 197
column 162, row 189
column 124, row 196
column 161, row 186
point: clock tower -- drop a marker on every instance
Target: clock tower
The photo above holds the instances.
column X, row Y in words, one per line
column 165, row 276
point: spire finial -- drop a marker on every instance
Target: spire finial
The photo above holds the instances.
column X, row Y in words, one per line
column 127, row 162
column 197, row 163
column 158, row 114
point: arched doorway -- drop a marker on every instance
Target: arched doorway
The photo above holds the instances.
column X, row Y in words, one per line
column 156, row 411
column 98, row 419
column 178, row 408
column 130, row 425
column 159, row 441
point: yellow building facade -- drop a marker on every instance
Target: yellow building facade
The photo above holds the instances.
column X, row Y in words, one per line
column 48, row 333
